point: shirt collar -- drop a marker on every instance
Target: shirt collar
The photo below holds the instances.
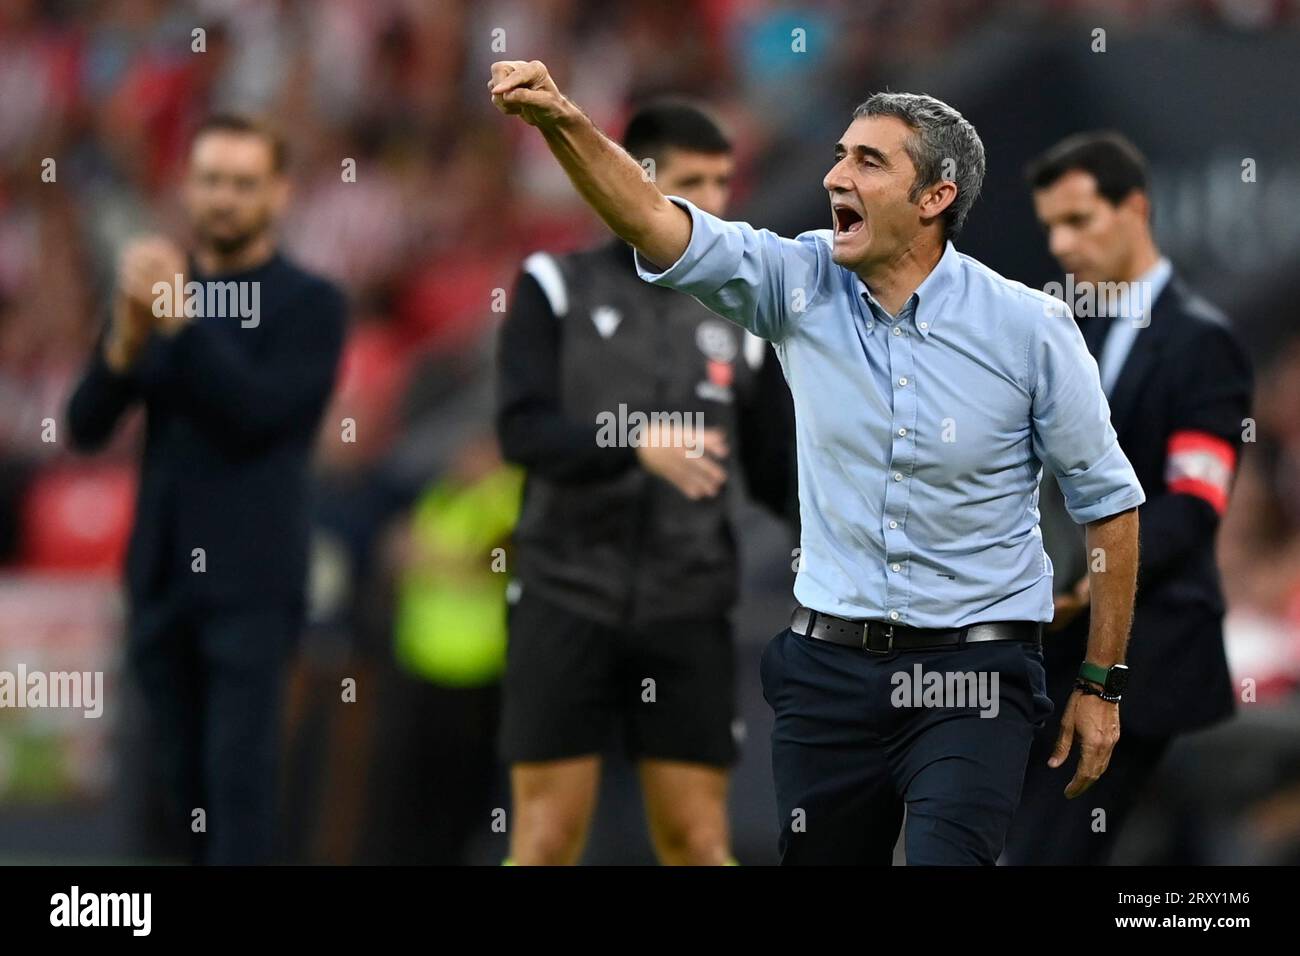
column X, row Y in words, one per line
column 1155, row 279
column 1137, row 298
column 929, row 295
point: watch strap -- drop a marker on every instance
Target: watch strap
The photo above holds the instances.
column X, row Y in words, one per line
column 1087, row 687
column 1094, row 672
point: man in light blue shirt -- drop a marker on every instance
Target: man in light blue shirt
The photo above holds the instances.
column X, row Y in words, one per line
column 919, row 437
column 929, row 391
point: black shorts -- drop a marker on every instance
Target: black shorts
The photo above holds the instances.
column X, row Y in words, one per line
column 571, row 685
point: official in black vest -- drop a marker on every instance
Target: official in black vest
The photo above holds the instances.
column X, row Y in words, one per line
column 233, row 355
column 625, row 403
column 1179, row 386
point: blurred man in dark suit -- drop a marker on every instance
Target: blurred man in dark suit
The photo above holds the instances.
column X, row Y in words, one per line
column 1179, row 387
column 233, row 354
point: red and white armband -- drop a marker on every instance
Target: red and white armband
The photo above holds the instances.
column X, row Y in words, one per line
column 1200, row 464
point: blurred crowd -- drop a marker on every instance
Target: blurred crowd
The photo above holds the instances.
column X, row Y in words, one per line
column 96, row 101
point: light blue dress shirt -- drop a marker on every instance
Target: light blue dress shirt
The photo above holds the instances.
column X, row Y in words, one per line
column 1133, row 315
column 920, row 440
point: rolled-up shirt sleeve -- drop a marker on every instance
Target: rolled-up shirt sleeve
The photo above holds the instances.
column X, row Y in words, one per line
column 752, row 277
column 1073, row 435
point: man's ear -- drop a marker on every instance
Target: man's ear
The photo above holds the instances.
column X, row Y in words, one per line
column 938, row 198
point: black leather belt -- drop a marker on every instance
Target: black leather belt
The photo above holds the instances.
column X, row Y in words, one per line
column 882, row 637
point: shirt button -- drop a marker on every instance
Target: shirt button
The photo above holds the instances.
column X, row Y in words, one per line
column 925, row 325
column 893, row 615
column 896, row 567
column 893, row 524
column 902, row 431
column 898, row 476
column 869, row 326
column 903, row 380
column 897, row 330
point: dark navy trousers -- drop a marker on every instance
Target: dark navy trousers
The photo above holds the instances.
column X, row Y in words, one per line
column 854, row 743
column 213, row 683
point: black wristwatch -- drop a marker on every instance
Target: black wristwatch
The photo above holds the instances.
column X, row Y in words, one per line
column 1113, row 680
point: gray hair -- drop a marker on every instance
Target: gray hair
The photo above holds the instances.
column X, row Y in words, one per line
column 943, row 142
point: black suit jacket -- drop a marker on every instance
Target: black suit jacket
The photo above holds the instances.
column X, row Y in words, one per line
column 231, row 418
column 1186, row 374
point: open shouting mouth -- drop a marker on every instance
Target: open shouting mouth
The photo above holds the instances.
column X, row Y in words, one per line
column 847, row 219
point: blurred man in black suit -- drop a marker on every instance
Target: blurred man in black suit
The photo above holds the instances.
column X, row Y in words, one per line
column 233, row 353
column 1179, row 386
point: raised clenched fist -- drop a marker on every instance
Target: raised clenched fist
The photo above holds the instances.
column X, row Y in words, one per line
column 525, row 89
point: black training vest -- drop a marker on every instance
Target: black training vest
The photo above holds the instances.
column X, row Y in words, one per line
column 633, row 549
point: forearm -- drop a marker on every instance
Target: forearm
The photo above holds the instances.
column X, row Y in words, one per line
column 1112, row 544
column 240, row 401
column 616, row 187
column 548, row 444
column 99, row 400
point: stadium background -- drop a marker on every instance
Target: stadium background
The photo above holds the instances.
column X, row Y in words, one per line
column 447, row 201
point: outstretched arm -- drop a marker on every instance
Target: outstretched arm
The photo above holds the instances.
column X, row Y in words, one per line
column 606, row 177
